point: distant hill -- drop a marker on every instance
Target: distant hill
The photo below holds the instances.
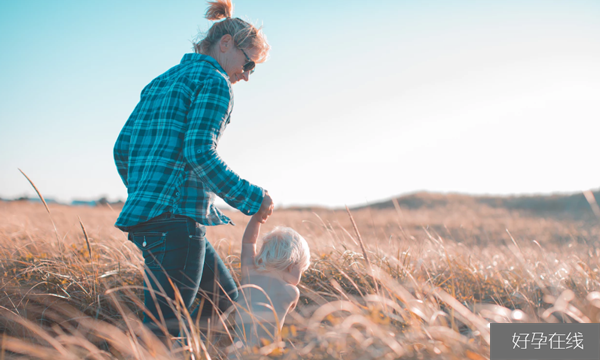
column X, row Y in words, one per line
column 572, row 205
column 76, row 202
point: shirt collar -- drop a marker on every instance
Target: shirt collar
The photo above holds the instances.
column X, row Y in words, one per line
column 200, row 57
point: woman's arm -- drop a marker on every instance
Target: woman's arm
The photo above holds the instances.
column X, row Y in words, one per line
column 206, row 120
column 121, row 152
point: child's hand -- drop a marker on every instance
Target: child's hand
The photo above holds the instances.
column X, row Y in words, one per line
column 257, row 218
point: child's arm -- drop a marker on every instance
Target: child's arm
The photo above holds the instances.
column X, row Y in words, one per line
column 293, row 306
column 294, row 294
column 249, row 241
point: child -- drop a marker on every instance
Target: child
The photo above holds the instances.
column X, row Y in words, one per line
column 269, row 279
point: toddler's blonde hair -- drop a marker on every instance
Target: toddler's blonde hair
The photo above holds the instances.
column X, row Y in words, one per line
column 281, row 248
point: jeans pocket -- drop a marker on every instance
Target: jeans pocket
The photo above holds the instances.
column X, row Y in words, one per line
column 152, row 244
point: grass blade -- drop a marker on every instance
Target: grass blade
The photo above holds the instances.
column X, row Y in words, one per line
column 589, row 196
column 87, row 240
column 36, row 190
column 364, row 250
column 45, row 205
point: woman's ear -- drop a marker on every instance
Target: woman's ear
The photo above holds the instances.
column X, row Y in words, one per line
column 225, row 43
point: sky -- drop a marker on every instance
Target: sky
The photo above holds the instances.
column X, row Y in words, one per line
column 358, row 102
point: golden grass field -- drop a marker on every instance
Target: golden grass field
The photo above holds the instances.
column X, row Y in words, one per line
column 432, row 281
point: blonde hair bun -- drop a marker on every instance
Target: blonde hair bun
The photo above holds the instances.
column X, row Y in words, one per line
column 245, row 35
column 219, row 9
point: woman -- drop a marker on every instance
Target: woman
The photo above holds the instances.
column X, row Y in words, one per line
column 166, row 156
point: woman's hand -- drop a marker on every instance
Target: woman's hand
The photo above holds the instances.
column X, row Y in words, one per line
column 266, row 209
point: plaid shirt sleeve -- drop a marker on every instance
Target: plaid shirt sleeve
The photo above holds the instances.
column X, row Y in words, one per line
column 207, row 117
column 121, row 153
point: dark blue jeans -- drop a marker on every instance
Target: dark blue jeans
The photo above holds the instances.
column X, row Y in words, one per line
column 175, row 247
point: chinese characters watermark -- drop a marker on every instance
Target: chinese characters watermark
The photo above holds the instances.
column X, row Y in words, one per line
column 555, row 341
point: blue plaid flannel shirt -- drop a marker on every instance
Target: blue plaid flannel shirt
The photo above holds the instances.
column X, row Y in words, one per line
column 166, row 152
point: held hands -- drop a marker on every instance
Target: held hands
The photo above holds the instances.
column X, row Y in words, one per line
column 266, row 209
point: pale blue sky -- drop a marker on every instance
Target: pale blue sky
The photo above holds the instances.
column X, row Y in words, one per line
column 355, row 104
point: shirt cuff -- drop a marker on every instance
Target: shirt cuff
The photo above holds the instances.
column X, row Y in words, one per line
column 255, row 199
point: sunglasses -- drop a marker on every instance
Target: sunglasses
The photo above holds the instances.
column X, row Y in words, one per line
column 249, row 65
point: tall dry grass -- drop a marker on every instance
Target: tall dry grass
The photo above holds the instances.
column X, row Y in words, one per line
column 434, row 280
